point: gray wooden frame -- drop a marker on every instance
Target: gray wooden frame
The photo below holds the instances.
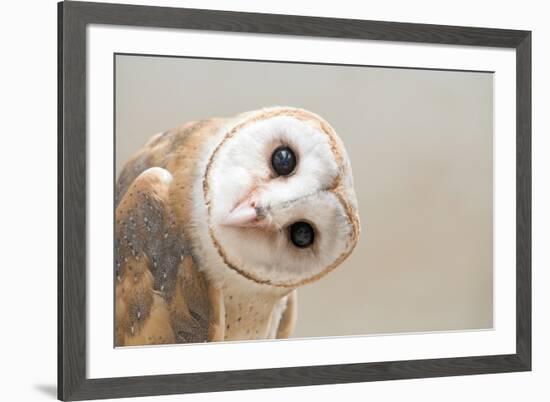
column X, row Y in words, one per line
column 73, row 17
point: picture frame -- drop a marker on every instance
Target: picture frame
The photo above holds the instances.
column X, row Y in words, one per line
column 73, row 176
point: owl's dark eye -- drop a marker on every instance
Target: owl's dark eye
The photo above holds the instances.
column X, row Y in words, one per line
column 301, row 234
column 283, row 160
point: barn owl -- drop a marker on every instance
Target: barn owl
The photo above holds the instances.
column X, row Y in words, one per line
column 218, row 222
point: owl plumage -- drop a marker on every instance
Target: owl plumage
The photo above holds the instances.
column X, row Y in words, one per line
column 218, row 222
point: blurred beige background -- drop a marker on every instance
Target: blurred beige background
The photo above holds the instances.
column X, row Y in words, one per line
column 421, row 146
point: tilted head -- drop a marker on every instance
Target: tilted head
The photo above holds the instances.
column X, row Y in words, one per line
column 279, row 192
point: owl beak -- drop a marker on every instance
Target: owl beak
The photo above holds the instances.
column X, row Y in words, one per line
column 244, row 214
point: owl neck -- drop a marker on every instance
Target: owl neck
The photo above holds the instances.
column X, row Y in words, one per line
column 252, row 311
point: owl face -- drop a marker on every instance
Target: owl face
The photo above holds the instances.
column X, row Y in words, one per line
column 280, row 199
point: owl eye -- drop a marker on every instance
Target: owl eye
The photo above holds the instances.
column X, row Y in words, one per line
column 283, row 160
column 301, row 234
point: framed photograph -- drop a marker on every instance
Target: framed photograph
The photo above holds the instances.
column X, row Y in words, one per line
column 258, row 201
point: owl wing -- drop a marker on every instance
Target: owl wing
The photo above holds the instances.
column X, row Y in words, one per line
column 160, row 295
column 289, row 316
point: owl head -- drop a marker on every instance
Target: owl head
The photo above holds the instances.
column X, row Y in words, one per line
column 279, row 194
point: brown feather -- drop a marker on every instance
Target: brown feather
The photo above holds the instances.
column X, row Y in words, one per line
column 288, row 319
column 160, row 295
